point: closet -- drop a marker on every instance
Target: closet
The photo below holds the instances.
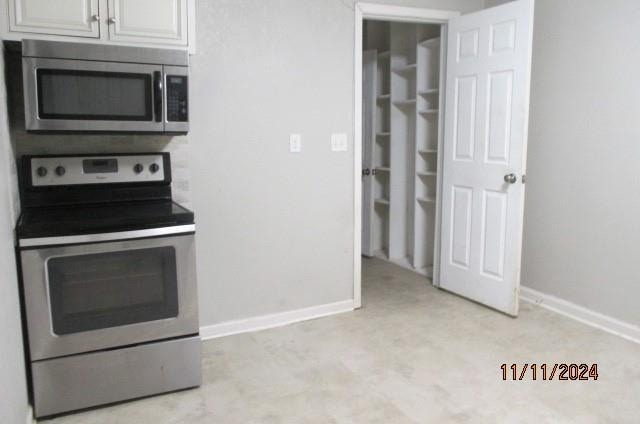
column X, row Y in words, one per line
column 444, row 103
column 402, row 100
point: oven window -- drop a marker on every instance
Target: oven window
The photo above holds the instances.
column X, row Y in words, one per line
column 92, row 95
column 103, row 290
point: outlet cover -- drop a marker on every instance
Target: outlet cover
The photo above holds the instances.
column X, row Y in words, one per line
column 339, row 142
column 295, row 143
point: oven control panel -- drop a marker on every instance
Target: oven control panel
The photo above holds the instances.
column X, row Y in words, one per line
column 75, row 170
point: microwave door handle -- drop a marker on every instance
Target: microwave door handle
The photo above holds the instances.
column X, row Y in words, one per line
column 157, row 95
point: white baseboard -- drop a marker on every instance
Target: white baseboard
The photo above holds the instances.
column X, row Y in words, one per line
column 587, row 316
column 30, row 418
column 274, row 320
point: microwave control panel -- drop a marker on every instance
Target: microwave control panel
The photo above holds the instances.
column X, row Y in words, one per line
column 177, row 101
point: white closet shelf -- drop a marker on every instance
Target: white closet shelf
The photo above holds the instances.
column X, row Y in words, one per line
column 431, row 42
column 408, row 102
column 428, row 151
column 384, row 54
column 383, row 134
column 383, row 168
column 427, row 173
column 429, row 112
column 429, row 91
column 405, row 69
column 426, row 199
column 382, row 202
column 384, row 96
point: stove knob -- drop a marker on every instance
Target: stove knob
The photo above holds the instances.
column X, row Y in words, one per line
column 154, row 168
column 138, row 168
column 41, row 171
column 60, row 171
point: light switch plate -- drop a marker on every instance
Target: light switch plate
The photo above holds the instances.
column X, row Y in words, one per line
column 339, row 142
column 295, row 143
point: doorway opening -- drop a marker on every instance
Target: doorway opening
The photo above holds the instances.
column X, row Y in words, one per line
column 398, row 51
column 401, row 137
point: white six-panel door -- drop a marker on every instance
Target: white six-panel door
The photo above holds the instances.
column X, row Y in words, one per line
column 485, row 137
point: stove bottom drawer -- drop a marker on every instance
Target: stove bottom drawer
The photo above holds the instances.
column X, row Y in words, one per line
column 81, row 381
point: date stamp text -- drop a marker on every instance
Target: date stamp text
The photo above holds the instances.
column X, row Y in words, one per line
column 549, row 372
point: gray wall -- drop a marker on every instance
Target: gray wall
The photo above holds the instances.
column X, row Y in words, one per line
column 275, row 229
column 13, row 388
column 582, row 230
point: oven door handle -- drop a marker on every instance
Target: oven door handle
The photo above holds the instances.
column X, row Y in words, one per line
column 102, row 237
column 157, row 95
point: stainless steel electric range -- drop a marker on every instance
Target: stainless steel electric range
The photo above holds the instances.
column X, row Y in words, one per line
column 108, row 274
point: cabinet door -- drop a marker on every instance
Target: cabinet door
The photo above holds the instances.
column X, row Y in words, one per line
column 60, row 17
column 148, row 21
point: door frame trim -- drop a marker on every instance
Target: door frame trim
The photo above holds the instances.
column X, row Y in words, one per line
column 382, row 12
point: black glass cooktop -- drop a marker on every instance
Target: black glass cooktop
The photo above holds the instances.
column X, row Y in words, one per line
column 101, row 218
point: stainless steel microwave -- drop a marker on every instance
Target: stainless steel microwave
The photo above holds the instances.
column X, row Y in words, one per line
column 82, row 87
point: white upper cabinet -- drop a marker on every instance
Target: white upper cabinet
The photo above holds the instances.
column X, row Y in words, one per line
column 149, row 21
column 79, row 18
column 168, row 23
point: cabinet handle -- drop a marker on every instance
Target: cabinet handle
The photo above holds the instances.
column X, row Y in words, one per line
column 111, row 20
column 95, row 18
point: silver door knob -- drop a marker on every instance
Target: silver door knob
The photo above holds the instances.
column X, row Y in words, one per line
column 111, row 20
column 510, row 178
column 95, row 18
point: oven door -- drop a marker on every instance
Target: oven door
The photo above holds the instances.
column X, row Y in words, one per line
column 88, row 297
column 80, row 95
